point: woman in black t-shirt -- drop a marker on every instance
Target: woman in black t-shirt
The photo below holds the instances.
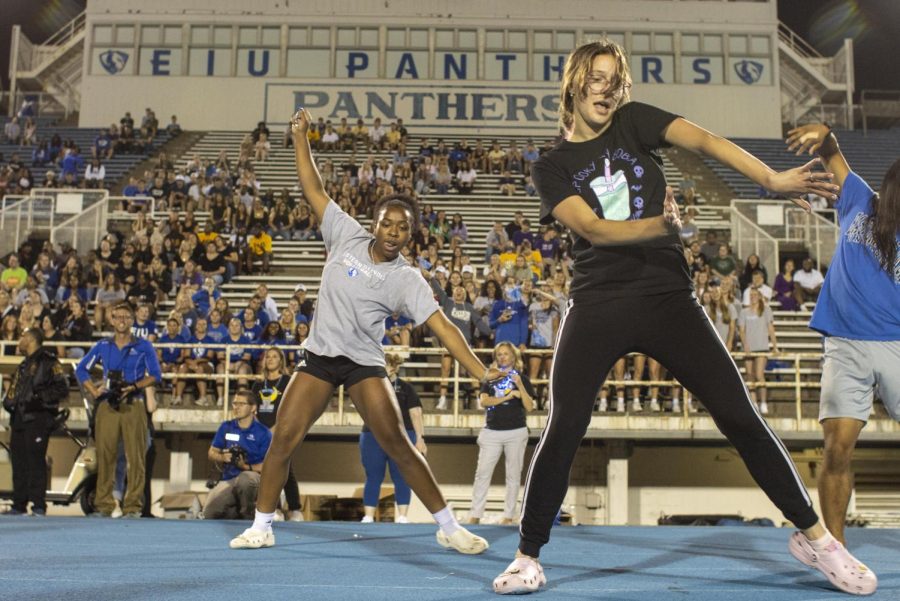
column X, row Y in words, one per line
column 631, row 290
column 505, row 401
column 268, row 392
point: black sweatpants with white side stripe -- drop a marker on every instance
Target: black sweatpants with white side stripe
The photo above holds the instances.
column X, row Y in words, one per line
column 673, row 329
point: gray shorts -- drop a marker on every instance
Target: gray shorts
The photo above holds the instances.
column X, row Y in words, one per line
column 854, row 372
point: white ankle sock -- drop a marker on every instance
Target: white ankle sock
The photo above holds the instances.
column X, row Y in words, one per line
column 821, row 543
column 446, row 520
column 263, row 521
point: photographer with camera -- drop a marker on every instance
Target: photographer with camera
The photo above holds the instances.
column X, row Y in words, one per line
column 37, row 387
column 130, row 367
column 238, row 448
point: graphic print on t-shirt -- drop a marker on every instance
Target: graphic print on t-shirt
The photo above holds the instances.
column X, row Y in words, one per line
column 612, row 193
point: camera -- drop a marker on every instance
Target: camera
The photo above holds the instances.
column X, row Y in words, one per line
column 115, row 389
column 238, row 454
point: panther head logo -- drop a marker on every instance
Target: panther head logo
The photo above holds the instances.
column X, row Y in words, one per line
column 749, row 71
column 113, row 61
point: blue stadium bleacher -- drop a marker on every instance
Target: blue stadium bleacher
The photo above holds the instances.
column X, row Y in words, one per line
column 869, row 155
column 116, row 168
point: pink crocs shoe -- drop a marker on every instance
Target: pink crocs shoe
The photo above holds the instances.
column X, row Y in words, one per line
column 835, row 561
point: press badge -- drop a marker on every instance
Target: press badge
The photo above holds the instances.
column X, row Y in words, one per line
column 233, row 437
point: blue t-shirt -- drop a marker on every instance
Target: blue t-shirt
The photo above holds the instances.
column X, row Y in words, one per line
column 390, row 322
column 255, row 440
column 202, row 352
column 237, row 352
column 859, row 299
column 217, row 333
column 169, row 354
column 143, row 330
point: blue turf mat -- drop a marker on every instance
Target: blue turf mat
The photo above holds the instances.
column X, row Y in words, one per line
column 101, row 559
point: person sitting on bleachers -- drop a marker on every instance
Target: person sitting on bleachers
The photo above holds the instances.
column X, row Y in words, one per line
column 74, row 326
column 376, row 135
column 514, row 162
column 757, row 282
column 710, row 248
column 722, row 263
column 94, row 174
column 200, row 359
column 171, row 360
column 238, row 357
column 393, row 138
column 259, row 248
column 144, row 327
column 72, row 164
column 205, row 298
column 108, row 295
column 784, row 287
column 232, row 259
column 465, row 177
column 752, row 264
column 217, row 325
column 507, row 183
column 127, row 141
column 262, row 148
column 808, row 282
column 103, row 145
column 529, row 156
column 330, row 139
column 173, row 129
column 13, row 277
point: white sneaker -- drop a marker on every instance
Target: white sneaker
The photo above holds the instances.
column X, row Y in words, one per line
column 401, row 519
column 764, row 408
column 117, row 512
column 636, row 406
column 295, row 516
column 463, row 541
column 176, row 401
column 654, row 405
column 524, row 575
column 676, row 406
column 278, row 517
column 691, row 407
column 367, row 519
column 442, row 403
column 604, row 406
column 620, row 405
column 253, row 539
column 839, row 566
column 219, row 402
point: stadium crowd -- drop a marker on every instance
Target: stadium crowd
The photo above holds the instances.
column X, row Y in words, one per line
column 514, row 289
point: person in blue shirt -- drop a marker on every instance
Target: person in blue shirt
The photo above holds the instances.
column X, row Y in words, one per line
column 132, row 364
column 238, row 357
column 216, row 330
column 206, row 297
column 201, row 359
column 234, row 497
column 397, row 329
column 858, row 312
column 509, row 318
column 171, row 359
column 144, row 327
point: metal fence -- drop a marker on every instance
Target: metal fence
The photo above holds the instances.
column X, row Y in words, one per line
column 83, row 230
column 22, row 216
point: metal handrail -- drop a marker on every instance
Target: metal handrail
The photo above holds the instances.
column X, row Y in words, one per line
column 67, row 31
column 793, row 39
column 456, row 380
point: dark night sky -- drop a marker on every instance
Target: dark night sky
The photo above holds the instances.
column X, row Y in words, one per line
column 873, row 24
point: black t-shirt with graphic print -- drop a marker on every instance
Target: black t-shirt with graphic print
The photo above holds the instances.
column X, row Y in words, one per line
column 619, row 175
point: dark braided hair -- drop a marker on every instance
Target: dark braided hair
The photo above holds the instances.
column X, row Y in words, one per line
column 407, row 203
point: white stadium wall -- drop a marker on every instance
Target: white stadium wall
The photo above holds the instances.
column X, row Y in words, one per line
column 444, row 67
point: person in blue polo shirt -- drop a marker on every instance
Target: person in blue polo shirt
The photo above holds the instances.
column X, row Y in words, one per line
column 234, row 496
column 130, row 365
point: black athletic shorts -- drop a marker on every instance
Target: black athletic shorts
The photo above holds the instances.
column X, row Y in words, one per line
column 337, row 370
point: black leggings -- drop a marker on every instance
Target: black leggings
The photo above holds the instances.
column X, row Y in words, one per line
column 673, row 329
